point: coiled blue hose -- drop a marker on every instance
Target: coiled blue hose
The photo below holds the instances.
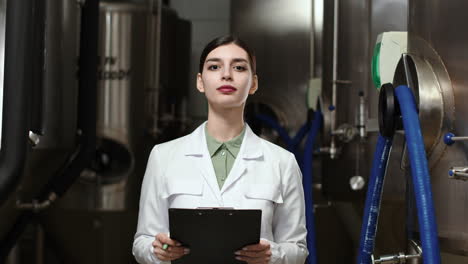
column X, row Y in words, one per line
column 374, row 195
column 420, row 176
column 273, row 124
column 420, row 179
column 306, row 167
column 296, row 140
column 307, row 182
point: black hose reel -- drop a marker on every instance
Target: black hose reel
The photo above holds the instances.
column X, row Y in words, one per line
column 389, row 111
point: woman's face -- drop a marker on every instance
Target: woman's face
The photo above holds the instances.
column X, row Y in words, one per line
column 227, row 77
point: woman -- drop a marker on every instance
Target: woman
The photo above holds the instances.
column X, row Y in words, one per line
column 224, row 164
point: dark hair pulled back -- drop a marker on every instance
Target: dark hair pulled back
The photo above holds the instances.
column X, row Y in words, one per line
column 225, row 40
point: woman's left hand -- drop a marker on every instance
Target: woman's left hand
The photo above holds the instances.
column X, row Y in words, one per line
column 255, row 254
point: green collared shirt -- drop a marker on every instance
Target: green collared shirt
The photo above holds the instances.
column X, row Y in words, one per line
column 223, row 155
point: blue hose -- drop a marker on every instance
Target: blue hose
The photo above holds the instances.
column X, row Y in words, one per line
column 420, row 176
column 291, row 143
column 307, row 183
column 298, row 137
column 273, row 124
column 374, row 195
column 306, row 168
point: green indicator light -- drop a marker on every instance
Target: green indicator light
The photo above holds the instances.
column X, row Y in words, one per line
column 375, row 66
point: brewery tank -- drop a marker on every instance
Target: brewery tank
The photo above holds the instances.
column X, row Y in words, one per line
column 101, row 208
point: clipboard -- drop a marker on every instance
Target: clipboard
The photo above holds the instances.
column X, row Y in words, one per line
column 214, row 234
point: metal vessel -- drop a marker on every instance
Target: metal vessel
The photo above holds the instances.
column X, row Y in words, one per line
column 436, row 49
column 52, row 54
column 349, row 97
column 283, row 66
column 108, row 189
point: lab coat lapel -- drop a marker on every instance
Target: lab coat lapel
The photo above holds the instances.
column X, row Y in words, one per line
column 250, row 151
column 197, row 150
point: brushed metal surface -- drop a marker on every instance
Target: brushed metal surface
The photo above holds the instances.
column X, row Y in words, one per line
column 106, row 191
column 60, row 96
column 433, row 94
column 60, row 84
column 121, row 27
column 3, row 4
column 359, row 24
column 437, row 24
column 317, row 38
column 279, row 32
column 112, row 182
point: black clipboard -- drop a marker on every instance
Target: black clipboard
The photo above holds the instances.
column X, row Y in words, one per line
column 213, row 235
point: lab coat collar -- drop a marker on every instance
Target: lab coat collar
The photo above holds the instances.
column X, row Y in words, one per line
column 197, row 146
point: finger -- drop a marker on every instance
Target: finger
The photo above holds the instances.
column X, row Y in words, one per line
column 164, row 239
column 253, row 254
column 251, row 260
column 161, row 256
column 156, row 243
column 264, row 242
column 262, row 245
column 166, row 255
column 177, row 250
column 256, row 247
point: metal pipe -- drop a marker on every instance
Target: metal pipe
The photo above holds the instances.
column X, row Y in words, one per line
column 400, row 258
column 312, row 41
column 450, row 138
column 409, row 79
column 36, row 205
column 85, row 151
column 459, row 138
column 362, row 116
column 333, row 150
column 15, row 116
column 335, row 60
column 155, row 33
column 458, row 172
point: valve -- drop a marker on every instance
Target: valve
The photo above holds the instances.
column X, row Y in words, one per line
column 399, row 258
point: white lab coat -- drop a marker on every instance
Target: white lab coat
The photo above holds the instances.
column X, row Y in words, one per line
column 264, row 176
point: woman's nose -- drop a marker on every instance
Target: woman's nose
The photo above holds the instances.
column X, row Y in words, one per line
column 227, row 75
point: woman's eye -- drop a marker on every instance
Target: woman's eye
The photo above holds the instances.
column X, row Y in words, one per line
column 240, row 68
column 213, row 67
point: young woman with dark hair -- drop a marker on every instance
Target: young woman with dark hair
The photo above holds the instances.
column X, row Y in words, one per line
column 224, row 164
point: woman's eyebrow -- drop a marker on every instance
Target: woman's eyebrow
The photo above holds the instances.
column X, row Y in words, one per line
column 213, row 59
column 240, row 60
column 233, row 60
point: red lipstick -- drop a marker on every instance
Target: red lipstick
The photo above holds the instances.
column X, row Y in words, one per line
column 226, row 89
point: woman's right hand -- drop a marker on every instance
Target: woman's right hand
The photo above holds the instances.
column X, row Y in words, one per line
column 173, row 251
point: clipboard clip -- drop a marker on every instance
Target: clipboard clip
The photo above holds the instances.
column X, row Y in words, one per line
column 216, row 208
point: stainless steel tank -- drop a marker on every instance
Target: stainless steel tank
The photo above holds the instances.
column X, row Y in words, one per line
column 101, row 207
column 350, row 103
column 2, row 58
column 280, row 34
column 294, row 46
column 436, row 47
column 347, row 86
column 53, row 105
